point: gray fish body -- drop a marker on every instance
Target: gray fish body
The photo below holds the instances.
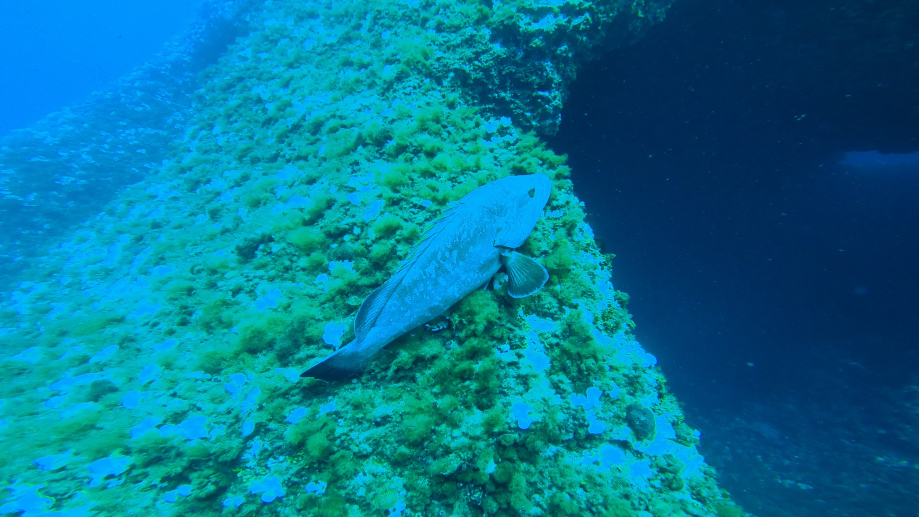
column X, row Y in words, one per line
column 459, row 254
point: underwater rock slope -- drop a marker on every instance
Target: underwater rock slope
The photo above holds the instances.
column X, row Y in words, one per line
column 151, row 364
column 64, row 168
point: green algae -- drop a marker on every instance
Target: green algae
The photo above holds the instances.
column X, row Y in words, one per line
column 325, row 141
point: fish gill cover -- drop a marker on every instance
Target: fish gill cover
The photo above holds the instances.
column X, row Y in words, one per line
column 151, row 361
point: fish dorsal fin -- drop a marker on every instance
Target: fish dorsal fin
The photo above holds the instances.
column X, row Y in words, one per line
column 432, row 232
column 525, row 274
column 370, row 310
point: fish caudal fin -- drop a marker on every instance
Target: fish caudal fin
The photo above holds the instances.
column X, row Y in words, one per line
column 525, row 275
column 336, row 367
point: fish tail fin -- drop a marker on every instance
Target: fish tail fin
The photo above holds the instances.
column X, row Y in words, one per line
column 338, row 366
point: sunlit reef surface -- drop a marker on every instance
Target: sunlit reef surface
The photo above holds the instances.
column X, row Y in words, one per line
column 151, row 359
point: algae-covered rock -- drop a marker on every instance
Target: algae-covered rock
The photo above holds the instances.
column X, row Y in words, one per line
column 152, row 360
column 640, row 420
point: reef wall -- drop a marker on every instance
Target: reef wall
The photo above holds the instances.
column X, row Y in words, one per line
column 63, row 169
column 151, row 360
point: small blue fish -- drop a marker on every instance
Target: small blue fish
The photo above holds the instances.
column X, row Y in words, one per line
column 459, row 253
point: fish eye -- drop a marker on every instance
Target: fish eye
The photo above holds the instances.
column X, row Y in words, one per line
column 531, row 192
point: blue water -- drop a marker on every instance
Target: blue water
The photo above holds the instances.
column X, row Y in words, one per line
column 874, row 161
column 753, row 167
column 56, row 52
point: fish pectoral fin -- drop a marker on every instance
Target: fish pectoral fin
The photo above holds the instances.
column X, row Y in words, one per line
column 336, row 367
column 525, row 274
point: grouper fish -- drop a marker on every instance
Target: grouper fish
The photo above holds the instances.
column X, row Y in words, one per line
column 461, row 252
